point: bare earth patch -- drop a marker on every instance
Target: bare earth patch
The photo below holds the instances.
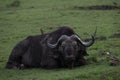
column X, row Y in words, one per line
column 116, row 35
column 100, row 38
column 97, row 7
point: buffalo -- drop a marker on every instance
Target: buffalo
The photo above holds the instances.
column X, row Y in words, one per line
column 62, row 48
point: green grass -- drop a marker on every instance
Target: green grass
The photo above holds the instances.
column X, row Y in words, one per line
column 91, row 72
column 16, row 23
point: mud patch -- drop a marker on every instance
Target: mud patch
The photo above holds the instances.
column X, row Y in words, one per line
column 97, row 7
column 116, row 35
column 100, row 38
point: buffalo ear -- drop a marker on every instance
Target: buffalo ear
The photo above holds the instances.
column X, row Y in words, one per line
column 82, row 50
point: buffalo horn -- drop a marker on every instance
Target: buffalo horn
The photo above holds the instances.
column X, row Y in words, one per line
column 63, row 37
column 86, row 44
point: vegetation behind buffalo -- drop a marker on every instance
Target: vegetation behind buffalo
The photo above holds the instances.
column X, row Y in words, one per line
column 29, row 17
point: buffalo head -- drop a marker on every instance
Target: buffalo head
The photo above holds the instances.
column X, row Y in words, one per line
column 69, row 46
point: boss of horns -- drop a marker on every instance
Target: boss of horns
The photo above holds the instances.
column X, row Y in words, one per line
column 73, row 37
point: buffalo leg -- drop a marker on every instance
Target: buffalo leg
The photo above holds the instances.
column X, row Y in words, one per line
column 15, row 57
column 50, row 64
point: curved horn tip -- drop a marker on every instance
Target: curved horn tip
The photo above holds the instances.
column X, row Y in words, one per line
column 91, row 42
column 93, row 38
